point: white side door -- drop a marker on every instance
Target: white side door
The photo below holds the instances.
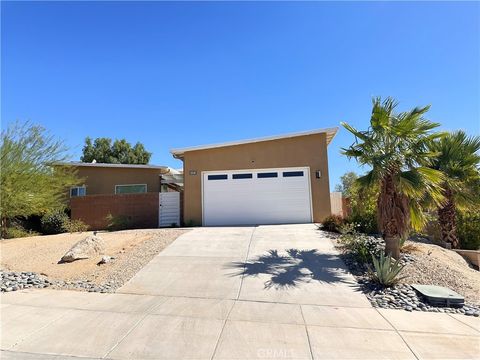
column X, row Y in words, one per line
column 169, row 209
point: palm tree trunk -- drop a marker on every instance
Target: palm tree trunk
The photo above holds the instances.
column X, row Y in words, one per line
column 392, row 247
column 447, row 218
column 4, row 226
column 392, row 216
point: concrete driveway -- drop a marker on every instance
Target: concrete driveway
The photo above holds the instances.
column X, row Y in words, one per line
column 268, row 292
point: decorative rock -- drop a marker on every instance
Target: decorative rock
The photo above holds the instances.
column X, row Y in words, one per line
column 91, row 245
column 13, row 281
column 105, row 259
column 403, row 297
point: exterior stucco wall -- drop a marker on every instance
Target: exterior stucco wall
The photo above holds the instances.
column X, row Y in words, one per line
column 309, row 150
column 100, row 180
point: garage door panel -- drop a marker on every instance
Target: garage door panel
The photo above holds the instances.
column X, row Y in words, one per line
column 256, row 200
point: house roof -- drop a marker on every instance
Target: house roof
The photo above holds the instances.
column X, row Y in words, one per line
column 128, row 166
column 330, row 132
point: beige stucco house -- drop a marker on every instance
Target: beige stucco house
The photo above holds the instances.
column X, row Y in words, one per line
column 278, row 179
column 273, row 180
column 133, row 192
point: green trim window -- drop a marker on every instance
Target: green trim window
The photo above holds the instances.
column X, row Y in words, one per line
column 131, row 189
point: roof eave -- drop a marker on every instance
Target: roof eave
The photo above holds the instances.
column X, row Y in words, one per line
column 330, row 134
column 107, row 165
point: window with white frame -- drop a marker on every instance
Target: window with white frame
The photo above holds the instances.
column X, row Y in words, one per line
column 78, row 191
column 130, row 189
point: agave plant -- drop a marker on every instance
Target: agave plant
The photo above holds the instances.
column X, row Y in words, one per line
column 395, row 147
column 387, row 270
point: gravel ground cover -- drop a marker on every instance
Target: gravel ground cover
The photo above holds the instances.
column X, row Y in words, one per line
column 130, row 251
column 13, row 281
column 426, row 264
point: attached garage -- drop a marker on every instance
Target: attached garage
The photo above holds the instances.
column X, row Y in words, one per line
column 256, row 196
column 275, row 180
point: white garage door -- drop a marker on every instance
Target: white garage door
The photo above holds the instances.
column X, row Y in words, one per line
column 247, row 197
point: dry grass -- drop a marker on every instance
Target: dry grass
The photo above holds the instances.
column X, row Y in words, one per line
column 42, row 253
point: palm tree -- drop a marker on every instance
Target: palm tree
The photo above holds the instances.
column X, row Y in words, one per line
column 457, row 158
column 395, row 147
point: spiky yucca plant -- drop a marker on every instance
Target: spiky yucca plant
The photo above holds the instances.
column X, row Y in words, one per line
column 387, row 270
column 458, row 159
column 395, row 148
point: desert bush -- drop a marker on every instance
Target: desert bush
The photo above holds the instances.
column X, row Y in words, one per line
column 72, row 226
column 348, row 228
column 366, row 221
column 362, row 246
column 333, row 223
column 363, row 208
column 53, row 222
column 19, row 232
column 387, row 270
column 118, row 222
column 468, row 230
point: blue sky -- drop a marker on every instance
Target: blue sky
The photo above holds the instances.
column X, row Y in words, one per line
column 173, row 74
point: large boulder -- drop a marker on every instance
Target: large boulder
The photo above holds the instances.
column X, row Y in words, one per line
column 90, row 246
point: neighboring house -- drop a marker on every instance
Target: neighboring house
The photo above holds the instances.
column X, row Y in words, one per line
column 278, row 179
column 122, row 190
column 103, row 179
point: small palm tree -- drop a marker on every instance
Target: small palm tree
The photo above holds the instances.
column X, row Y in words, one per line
column 458, row 159
column 395, row 146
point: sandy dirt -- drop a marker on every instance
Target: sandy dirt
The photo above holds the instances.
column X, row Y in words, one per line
column 41, row 253
column 438, row 266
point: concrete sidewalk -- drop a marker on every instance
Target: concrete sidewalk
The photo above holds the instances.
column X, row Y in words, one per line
column 264, row 292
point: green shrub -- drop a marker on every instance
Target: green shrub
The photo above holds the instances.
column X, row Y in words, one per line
column 53, row 222
column 348, row 228
column 366, row 221
column 468, row 230
column 333, row 223
column 19, row 232
column 190, row 223
column 118, row 222
column 362, row 203
column 362, row 246
column 387, row 270
column 72, row 226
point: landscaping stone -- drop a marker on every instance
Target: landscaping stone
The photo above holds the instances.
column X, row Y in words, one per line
column 401, row 296
column 13, row 281
column 105, row 259
column 393, row 298
column 84, row 249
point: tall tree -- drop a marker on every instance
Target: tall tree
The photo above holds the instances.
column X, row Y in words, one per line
column 29, row 184
column 347, row 181
column 395, row 146
column 120, row 152
column 458, row 159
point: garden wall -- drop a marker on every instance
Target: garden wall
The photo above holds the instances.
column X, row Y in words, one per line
column 140, row 209
column 340, row 205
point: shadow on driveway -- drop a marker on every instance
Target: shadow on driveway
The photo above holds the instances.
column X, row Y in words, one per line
column 294, row 268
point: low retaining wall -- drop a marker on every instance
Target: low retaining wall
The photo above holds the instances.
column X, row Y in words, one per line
column 472, row 255
column 140, row 209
